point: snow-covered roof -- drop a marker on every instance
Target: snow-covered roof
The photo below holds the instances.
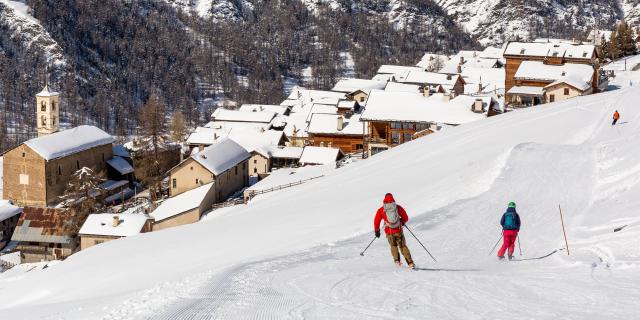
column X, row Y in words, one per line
column 352, row 85
column 573, row 81
column 428, row 59
column 319, row 155
column 242, row 116
column 402, row 87
column 491, row 79
column 452, row 66
column 321, row 108
column 221, row 156
column 64, row 143
column 347, row 104
column 383, row 77
column 526, row 90
column 537, row 70
column 46, row 92
column 595, row 36
column 102, row 224
column 112, row 184
column 253, row 140
column 315, row 96
column 8, row 210
column 120, row 164
column 296, row 125
column 550, row 49
column 322, row 123
column 423, row 77
column 492, row 53
column 277, row 109
column 286, row 152
column 395, row 69
column 409, row 107
column 181, row 203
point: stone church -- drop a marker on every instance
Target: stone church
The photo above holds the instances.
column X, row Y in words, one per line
column 37, row 172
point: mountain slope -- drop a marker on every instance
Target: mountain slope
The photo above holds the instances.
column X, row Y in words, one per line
column 495, row 21
column 455, row 185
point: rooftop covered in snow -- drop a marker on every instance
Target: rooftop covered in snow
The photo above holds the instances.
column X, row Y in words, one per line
column 335, row 124
column 67, row 142
column 319, row 155
column 225, row 115
column 102, row 224
column 181, row 203
column 221, row 156
column 8, row 210
column 277, row 109
column 409, row 107
column 551, row 49
column 353, row 85
column 424, row 77
column 396, row 69
column 121, row 165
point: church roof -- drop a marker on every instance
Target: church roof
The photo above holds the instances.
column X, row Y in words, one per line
column 64, row 143
column 46, row 92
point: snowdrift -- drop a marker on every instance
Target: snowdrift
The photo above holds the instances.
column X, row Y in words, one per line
column 294, row 254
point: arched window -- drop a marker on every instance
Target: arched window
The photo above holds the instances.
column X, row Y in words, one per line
column 43, row 106
column 43, row 120
column 53, row 106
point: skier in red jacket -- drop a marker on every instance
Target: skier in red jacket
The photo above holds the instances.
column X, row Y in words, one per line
column 394, row 217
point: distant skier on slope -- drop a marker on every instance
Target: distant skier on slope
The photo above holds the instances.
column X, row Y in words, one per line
column 510, row 223
column 394, row 217
column 616, row 116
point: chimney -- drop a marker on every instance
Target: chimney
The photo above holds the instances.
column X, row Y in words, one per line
column 340, row 123
column 459, row 69
column 449, row 76
column 479, row 87
column 461, row 61
column 426, row 91
column 477, row 106
column 215, row 136
column 116, row 221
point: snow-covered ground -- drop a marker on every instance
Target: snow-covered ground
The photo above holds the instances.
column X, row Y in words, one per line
column 296, row 254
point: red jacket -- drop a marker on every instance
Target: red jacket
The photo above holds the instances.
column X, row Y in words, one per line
column 380, row 215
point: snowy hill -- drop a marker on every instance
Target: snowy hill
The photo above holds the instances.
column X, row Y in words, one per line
column 294, row 254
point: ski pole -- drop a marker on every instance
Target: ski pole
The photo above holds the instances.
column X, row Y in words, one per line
column 425, row 248
column 495, row 245
column 519, row 248
column 563, row 231
column 365, row 249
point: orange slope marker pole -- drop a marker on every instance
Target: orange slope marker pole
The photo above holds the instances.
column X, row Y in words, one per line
column 566, row 243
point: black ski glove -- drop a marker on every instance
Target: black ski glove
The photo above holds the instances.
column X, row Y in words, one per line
column 377, row 233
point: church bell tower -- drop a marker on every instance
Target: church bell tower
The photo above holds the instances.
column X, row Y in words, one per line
column 48, row 112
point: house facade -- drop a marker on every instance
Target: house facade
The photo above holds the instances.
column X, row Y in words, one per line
column 337, row 131
column 46, row 234
column 554, row 53
column 36, row 173
column 104, row 227
column 224, row 163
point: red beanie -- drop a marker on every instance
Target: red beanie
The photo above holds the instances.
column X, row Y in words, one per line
column 388, row 198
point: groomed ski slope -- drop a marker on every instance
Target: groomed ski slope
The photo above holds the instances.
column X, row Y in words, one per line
column 295, row 254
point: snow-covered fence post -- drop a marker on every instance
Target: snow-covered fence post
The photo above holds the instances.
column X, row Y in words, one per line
column 566, row 243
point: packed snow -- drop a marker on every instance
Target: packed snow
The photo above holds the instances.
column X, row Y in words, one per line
column 295, row 254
